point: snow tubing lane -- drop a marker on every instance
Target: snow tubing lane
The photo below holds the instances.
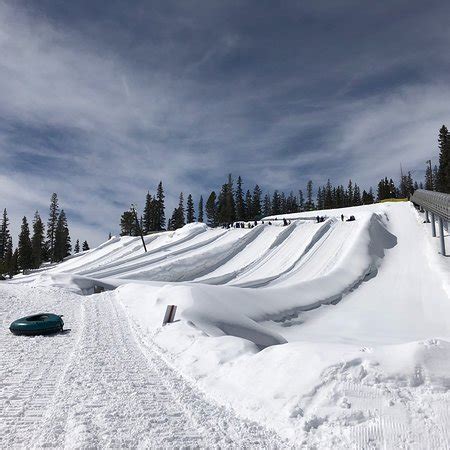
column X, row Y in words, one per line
column 38, row 324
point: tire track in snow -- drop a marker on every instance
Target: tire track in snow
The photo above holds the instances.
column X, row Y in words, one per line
column 31, row 367
column 200, row 261
column 159, row 255
column 376, row 413
column 315, row 240
column 223, row 427
column 118, row 392
column 312, row 260
column 228, row 277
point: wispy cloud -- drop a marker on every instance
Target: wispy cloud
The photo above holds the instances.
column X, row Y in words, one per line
column 100, row 107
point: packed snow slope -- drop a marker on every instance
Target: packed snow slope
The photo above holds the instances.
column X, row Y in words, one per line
column 332, row 334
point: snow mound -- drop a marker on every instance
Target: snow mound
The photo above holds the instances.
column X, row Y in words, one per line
column 73, row 283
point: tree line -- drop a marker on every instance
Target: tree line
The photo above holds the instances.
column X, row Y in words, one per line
column 38, row 246
column 233, row 203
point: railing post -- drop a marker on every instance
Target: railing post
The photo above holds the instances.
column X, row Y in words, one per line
column 427, row 219
column 441, row 235
column 433, row 225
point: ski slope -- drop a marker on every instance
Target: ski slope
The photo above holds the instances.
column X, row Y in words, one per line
column 332, row 334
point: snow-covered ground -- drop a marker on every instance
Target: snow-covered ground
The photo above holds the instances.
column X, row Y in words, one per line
column 332, row 334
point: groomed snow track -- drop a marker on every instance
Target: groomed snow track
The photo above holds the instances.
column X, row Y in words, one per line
column 238, row 257
column 101, row 385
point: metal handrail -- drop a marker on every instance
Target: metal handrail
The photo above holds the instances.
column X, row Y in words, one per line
column 434, row 202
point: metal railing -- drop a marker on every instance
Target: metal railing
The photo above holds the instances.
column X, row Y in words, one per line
column 435, row 204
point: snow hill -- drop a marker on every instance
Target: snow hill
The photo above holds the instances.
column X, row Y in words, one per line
column 329, row 334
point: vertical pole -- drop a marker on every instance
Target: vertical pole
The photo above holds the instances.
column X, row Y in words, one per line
column 433, row 225
column 139, row 227
column 427, row 219
column 441, row 235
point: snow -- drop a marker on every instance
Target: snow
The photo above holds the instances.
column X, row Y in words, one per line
column 332, row 334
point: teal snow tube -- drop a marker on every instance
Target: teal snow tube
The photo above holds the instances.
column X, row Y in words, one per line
column 37, row 324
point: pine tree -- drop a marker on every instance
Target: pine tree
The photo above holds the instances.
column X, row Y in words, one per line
column 25, row 250
column 382, row 189
column 190, row 213
column 200, row 210
column 349, row 193
column 211, row 210
column 301, row 201
column 7, row 254
column 256, row 203
column 8, row 262
column 37, row 241
column 328, row 197
column 320, row 200
column 77, row 246
column 160, row 216
column 62, row 238
column 239, row 201
column 276, row 203
column 51, row 226
column 248, row 204
column 309, row 206
column 283, row 203
column 14, row 263
column 365, row 197
column 172, row 220
column 340, row 196
column 148, row 219
column 410, row 184
column 85, row 246
column 357, row 201
column 4, row 235
column 435, row 178
column 128, row 224
column 178, row 218
column 226, row 211
column 267, row 206
column 291, row 203
column 429, row 177
column 392, row 189
column 443, row 174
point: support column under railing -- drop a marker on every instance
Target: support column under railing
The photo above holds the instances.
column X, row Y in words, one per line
column 433, row 225
column 441, row 235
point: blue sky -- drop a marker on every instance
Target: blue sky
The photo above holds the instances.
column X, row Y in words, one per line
column 99, row 100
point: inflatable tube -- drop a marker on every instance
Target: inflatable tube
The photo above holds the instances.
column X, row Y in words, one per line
column 44, row 323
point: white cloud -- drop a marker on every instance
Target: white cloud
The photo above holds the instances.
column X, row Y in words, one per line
column 120, row 128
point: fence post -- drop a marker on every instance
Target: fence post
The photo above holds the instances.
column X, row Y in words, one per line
column 441, row 235
column 427, row 219
column 433, row 225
